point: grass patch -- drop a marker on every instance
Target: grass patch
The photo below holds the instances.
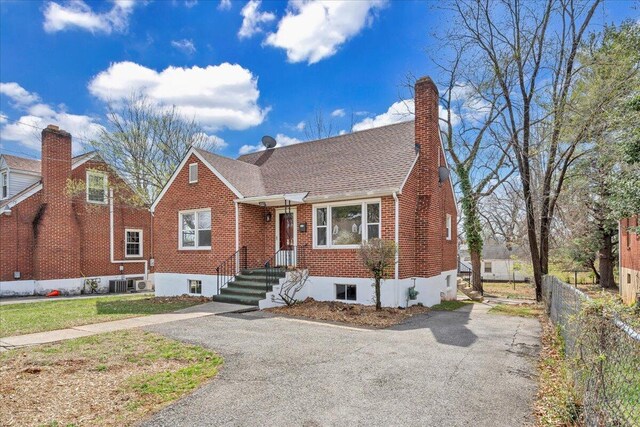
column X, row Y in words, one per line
column 451, row 305
column 19, row 319
column 509, row 290
column 556, row 401
column 112, row 379
column 519, row 310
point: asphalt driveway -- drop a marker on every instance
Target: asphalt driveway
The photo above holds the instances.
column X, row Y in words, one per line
column 461, row 368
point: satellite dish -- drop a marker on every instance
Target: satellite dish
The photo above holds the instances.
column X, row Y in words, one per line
column 443, row 174
column 268, row 141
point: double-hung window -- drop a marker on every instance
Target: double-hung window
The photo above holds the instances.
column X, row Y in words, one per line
column 193, row 173
column 345, row 225
column 195, row 229
column 448, row 226
column 96, row 187
column 132, row 243
column 4, row 180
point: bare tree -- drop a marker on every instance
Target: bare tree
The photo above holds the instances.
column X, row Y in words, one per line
column 145, row 143
column 530, row 50
column 295, row 281
column 318, row 127
column 378, row 256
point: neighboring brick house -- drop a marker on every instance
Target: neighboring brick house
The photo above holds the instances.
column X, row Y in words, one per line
column 629, row 260
column 55, row 222
column 310, row 205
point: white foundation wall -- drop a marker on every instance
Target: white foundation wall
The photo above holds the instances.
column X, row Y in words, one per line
column 175, row 284
column 16, row 288
column 431, row 290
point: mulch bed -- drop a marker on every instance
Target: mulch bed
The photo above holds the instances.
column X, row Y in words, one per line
column 352, row 314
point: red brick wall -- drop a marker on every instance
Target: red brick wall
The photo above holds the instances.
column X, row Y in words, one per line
column 629, row 245
column 208, row 192
column 57, row 235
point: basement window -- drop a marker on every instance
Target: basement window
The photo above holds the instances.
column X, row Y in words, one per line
column 193, row 173
column 195, row 286
column 346, row 292
column 96, row 187
column 133, row 243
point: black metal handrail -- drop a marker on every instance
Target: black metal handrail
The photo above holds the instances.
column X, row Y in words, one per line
column 284, row 258
column 228, row 269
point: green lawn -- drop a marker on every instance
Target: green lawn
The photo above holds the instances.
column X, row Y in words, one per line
column 19, row 319
column 451, row 305
column 112, row 379
column 520, row 310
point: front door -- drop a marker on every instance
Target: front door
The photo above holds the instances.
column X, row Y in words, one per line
column 286, row 238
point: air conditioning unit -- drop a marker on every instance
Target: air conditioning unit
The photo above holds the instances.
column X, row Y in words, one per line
column 144, row 285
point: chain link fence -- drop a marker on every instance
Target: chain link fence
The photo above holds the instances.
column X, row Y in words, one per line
column 603, row 350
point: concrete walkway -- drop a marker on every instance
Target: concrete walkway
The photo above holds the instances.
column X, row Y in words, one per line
column 203, row 310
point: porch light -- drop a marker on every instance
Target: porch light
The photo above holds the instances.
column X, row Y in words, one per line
column 267, row 217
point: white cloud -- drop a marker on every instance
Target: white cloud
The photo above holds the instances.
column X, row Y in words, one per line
column 184, row 45
column 3, row 118
column 338, row 113
column 281, row 139
column 252, row 19
column 215, row 142
column 77, row 14
column 313, row 30
column 217, row 96
column 190, row 3
column 19, row 95
column 466, row 103
column 301, row 125
column 400, row 111
column 224, row 5
column 26, row 130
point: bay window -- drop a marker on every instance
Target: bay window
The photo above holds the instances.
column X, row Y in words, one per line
column 346, row 224
column 195, row 229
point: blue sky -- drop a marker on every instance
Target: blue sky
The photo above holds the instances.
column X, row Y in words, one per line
column 242, row 68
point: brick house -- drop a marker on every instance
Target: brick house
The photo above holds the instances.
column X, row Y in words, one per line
column 629, row 251
column 57, row 227
column 220, row 222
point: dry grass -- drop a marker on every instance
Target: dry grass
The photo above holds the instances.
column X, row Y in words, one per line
column 556, row 403
column 112, row 379
column 352, row 314
column 506, row 290
column 19, row 319
column 518, row 310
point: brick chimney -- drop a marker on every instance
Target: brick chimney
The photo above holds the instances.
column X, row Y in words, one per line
column 430, row 215
column 55, row 226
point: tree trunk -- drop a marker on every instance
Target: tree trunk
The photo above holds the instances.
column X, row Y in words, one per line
column 378, row 303
column 544, row 243
column 606, row 261
column 592, row 265
column 476, row 274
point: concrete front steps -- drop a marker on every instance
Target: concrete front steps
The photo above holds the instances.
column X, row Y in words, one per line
column 247, row 288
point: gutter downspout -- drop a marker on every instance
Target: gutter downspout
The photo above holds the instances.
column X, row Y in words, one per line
column 397, row 241
column 235, row 203
column 111, row 241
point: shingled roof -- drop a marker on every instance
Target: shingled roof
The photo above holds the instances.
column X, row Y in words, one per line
column 373, row 160
column 22, row 163
column 33, row 165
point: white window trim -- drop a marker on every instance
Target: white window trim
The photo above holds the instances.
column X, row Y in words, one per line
column 140, row 231
column 193, row 248
column 189, row 286
column 4, row 181
column 449, row 226
column 365, row 230
column 190, row 180
column 106, row 185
